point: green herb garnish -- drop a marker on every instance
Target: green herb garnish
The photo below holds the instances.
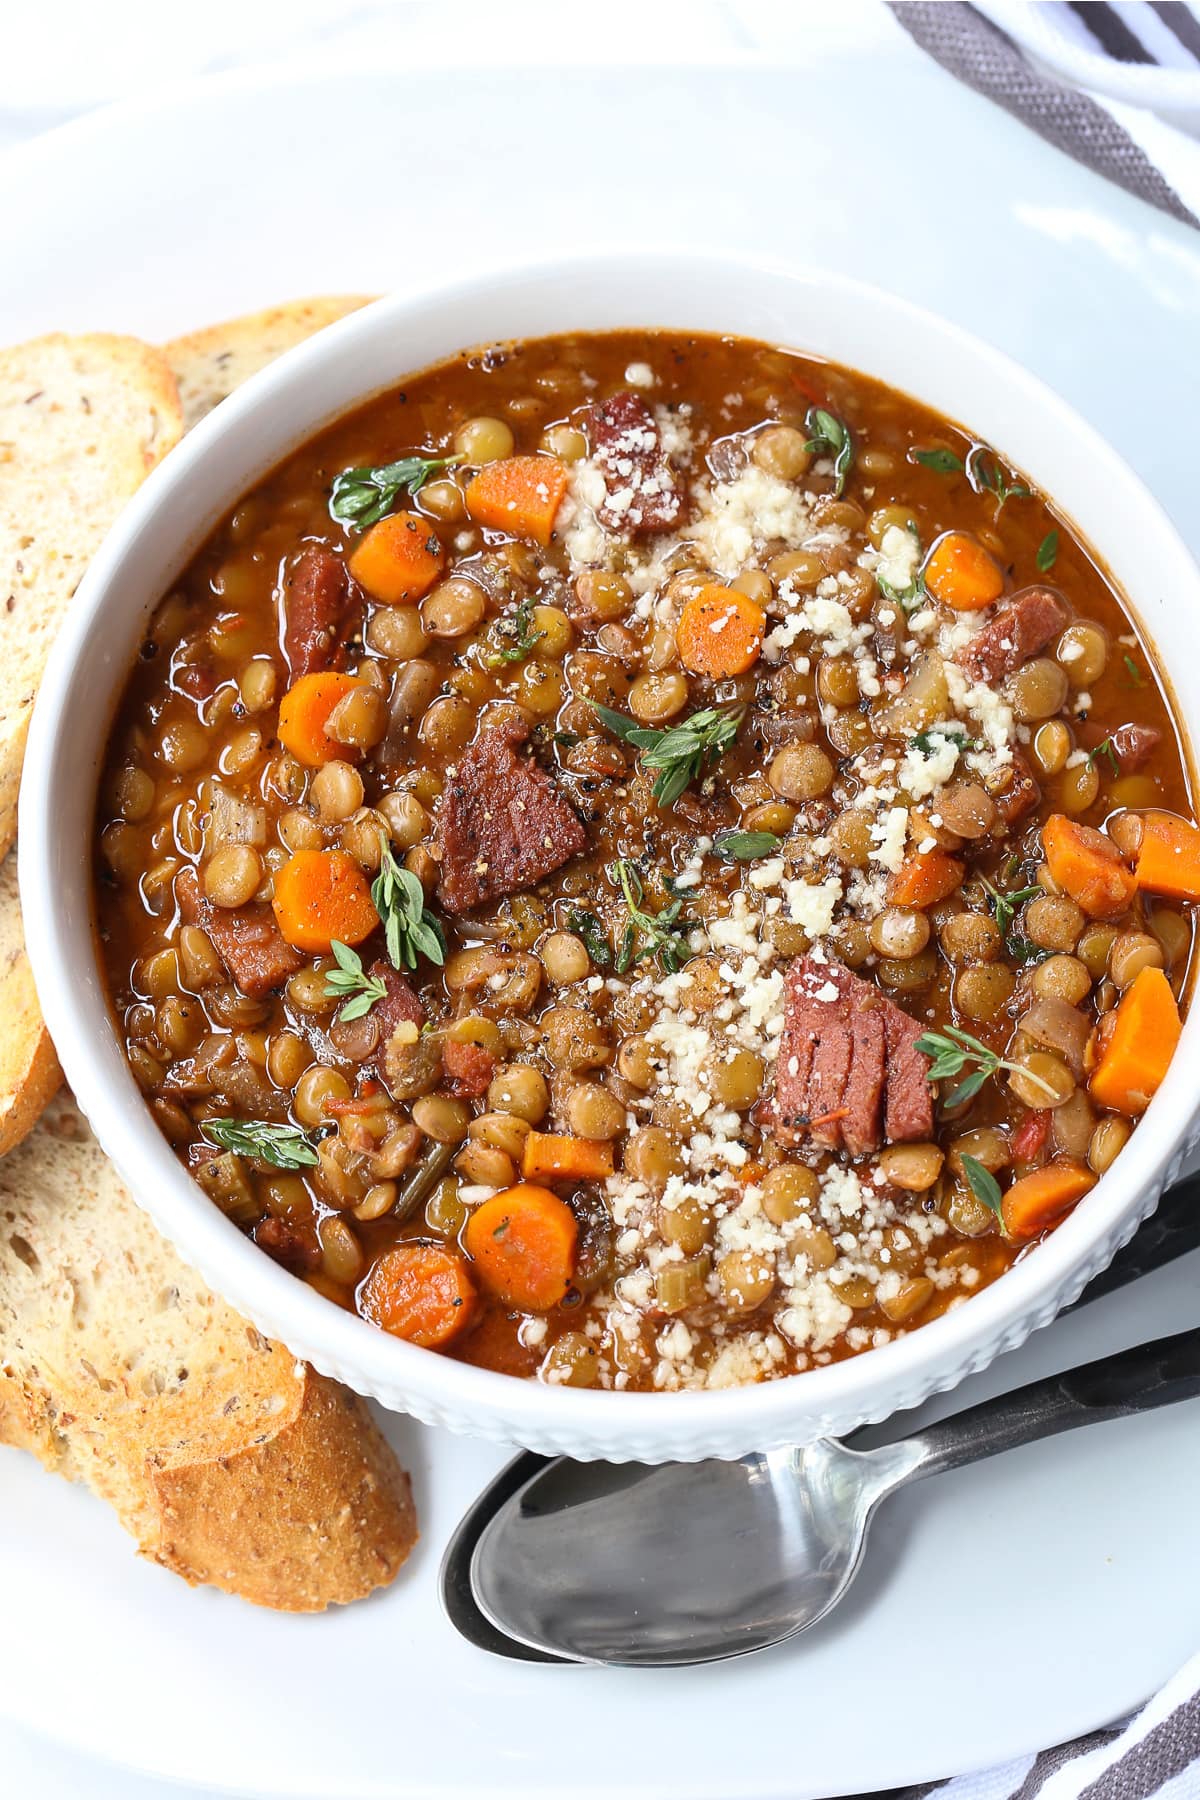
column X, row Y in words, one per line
column 991, row 477
column 587, row 926
column 945, row 462
column 983, row 1185
column 361, row 497
column 1047, row 553
column 516, row 635
column 745, row 846
column 826, row 432
column 566, row 740
column 1107, row 749
column 680, row 753
column 283, row 1146
column 1005, row 905
column 410, row 929
column 924, row 740
column 910, row 597
column 351, row 979
column 1135, row 675
column 953, row 1051
column 665, row 932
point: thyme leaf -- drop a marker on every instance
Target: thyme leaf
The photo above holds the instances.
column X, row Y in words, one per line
column 516, row 636
column 351, row 982
column 745, row 846
column 361, row 497
column 680, row 753
column 1047, row 553
column 828, row 433
column 410, row 929
column 983, row 1185
column 663, row 934
column 283, row 1146
column 587, row 926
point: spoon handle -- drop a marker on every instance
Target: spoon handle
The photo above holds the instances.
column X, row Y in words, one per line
column 1133, row 1381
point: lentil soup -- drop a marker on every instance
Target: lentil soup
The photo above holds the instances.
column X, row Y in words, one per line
column 646, row 861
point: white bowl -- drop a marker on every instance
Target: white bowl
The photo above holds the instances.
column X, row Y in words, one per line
column 173, row 514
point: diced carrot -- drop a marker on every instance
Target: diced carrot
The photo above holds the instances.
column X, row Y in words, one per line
column 551, row 1158
column 1168, row 860
column 1139, row 1046
column 1038, row 1201
column 1087, row 866
column 960, row 573
column 422, row 1293
column 304, row 713
column 321, row 895
column 399, row 559
column 522, row 1242
column 720, row 632
column 518, row 495
column 925, row 878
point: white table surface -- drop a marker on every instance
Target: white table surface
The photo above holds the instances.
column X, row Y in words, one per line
column 59, row 61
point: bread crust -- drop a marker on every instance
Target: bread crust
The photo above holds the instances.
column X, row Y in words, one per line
column 209, row 364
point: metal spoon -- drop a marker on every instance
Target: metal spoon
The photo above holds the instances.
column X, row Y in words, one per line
column 688, row 1563
column 588, row 1562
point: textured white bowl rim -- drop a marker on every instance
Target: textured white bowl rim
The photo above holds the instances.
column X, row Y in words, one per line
column 173, row 512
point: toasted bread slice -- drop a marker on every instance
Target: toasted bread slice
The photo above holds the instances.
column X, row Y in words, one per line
column 209, row 364
column 82, row 422
column 29, row 1071
column 230, row 1462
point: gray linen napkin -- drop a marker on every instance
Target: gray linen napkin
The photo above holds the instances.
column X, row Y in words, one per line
column 971, row 47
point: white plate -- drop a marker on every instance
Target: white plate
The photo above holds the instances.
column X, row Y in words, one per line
column 1002, row 1608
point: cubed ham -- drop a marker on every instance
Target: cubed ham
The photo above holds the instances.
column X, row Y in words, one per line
column 1017, row 630
column 643, row 491
column 1016, row 791
column 314, row 602
column 295, row 1246
column 503, row 824
column 469, row 1069
column 246, row 938
column 1134, row 745
column 849, row 1075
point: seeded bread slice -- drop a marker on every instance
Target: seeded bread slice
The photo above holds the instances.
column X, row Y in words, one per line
column 82, row 422
column 209, row 364
column 227, row 1460
column 29, row 1071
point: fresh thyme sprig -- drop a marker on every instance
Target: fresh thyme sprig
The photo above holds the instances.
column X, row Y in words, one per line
column 350, row 981
column 587, row 926
column 1006, row 903
column 984, row 1186
column 953, row 1050
column 1107, row 749
column 361, row 497
column 665, row 932
column 680, row 753
column 283, row 1146
column 410, row 929
column 516, row 636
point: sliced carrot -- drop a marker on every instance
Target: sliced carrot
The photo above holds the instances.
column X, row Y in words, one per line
column 422, row 1293
column 1168, row 860
column 1087, row 866
column 522, row 1242
column 399, row 559
column 1038, row 1201
column 720, row 632
column 304, row 713
column 926, row 878
column 1139, row 1046
column 960, row 573
column 551, row 1158
column 321, row 895
column 519, row 495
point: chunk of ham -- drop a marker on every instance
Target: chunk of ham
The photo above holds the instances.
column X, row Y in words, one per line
column 246, row 938
column 503, row 825
column 643, row 492
column 315, row 596
column 1015, row 632
column 1134, row 745
column 849, row 1075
